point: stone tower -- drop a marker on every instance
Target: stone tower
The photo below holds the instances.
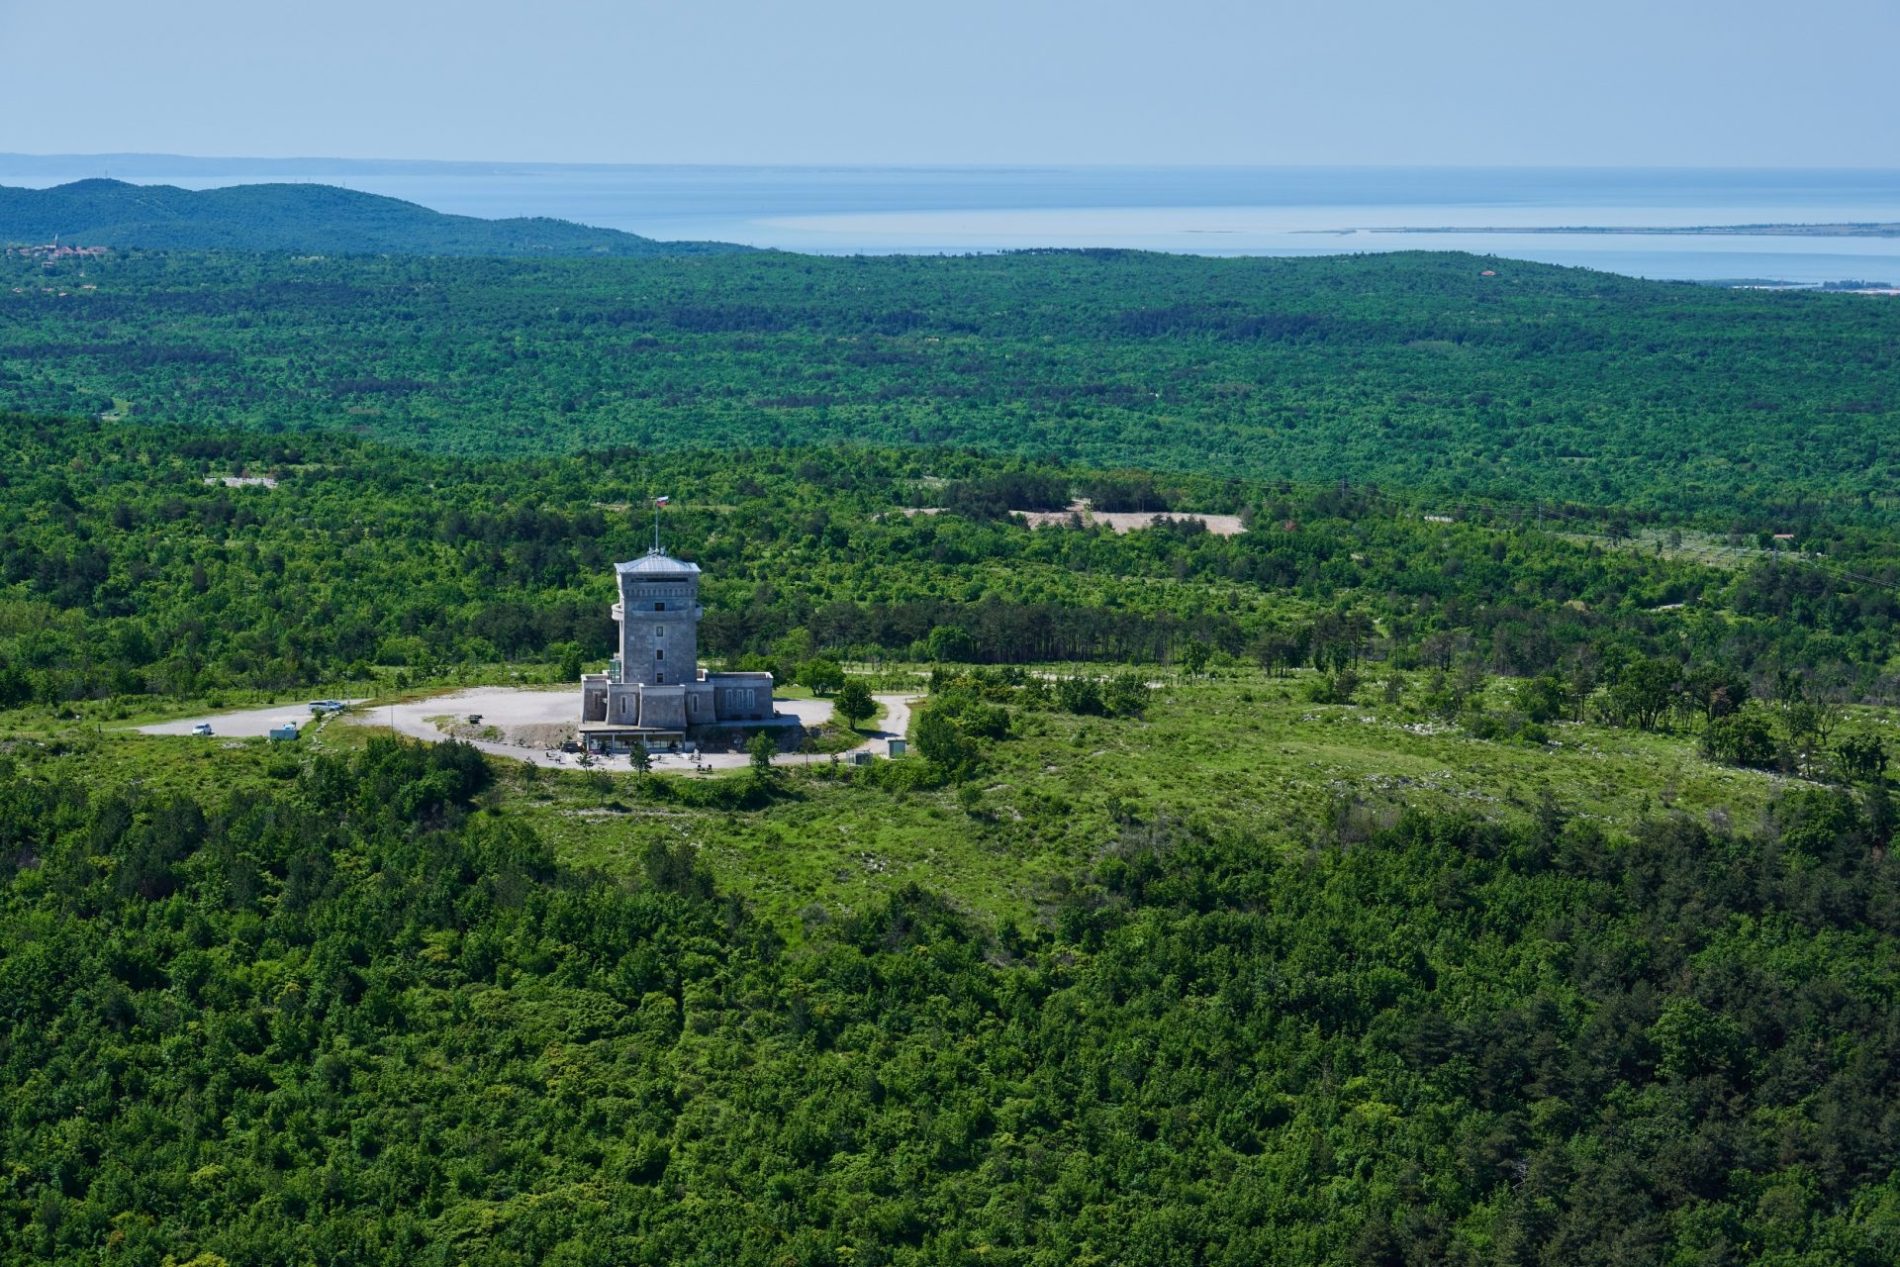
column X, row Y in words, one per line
column 654, row 693
column 659, row 615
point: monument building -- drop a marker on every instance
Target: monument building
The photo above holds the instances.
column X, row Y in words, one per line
column 654, row 691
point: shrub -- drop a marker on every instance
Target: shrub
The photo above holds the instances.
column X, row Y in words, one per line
column 1742, row 738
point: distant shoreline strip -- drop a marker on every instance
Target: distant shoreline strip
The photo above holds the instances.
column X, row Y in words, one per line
column 1889, row 229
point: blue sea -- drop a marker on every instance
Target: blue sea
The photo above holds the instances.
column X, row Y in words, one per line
column 1209, row 211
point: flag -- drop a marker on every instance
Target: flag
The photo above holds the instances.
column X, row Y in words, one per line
column 661, row 501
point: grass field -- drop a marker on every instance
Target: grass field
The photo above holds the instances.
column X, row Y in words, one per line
column 1717, row 550
column 1236, row 752
column 1240, row 752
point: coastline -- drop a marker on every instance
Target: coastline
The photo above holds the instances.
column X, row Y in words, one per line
column 1872, row 229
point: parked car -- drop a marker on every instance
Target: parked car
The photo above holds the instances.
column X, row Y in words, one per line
column 202, row 728
column 322, row 706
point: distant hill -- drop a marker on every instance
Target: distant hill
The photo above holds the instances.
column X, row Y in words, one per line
column 317, row 219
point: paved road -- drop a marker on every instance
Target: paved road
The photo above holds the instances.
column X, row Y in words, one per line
column 252, row 723
column 511, row 708
column 499, row 706
column 896, row 725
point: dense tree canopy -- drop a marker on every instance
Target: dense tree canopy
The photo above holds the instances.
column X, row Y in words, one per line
column 1416, row 370
column 128, row 566
column 361, row 1020
column 354, row 1000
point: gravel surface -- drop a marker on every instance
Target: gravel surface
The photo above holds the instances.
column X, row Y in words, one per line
column 518, row 722
column 252, row 723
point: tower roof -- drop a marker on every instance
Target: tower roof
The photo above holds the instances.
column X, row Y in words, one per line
column 657, row 563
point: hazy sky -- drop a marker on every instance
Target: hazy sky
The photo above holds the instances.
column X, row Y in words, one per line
column 1702, row 82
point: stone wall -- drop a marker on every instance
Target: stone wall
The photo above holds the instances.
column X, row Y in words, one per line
column 741, row 696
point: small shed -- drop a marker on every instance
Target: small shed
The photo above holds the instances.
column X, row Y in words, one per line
column 898, row 747
column 283, row 730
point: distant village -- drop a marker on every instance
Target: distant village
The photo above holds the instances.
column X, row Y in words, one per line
column 55, row 250
column 52, row 253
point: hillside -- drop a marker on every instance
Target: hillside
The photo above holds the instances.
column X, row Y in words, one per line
column 1416, row 370
column 301, row 218
column 1357, row 889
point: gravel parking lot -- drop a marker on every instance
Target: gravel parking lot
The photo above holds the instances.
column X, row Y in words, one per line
column 522, row 724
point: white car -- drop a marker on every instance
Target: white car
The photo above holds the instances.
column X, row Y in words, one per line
column 203, row 728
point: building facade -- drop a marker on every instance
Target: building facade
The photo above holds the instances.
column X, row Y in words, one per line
column 654, row 691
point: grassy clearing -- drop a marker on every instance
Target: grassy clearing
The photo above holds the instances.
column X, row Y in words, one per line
column 1240, row 752
column 1245, row 748
column 1717, row 550
column 1235, row 752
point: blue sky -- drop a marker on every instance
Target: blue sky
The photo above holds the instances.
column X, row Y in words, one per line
column 1665, row 82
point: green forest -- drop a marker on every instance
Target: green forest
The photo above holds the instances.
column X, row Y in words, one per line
column 1449, row 823
column 360, row 1019
column 133, row 570
column 1413, row 370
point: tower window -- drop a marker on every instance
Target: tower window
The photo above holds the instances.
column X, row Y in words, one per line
column 659, row 631
column 659, row 607
column 659, row 679
column 659, row 653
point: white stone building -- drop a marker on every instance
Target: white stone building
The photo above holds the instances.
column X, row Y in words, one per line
column 654, row 691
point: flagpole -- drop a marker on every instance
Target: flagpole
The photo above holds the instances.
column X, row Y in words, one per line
column 658, row 502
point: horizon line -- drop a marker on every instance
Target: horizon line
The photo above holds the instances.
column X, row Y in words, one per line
column 966, row 166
